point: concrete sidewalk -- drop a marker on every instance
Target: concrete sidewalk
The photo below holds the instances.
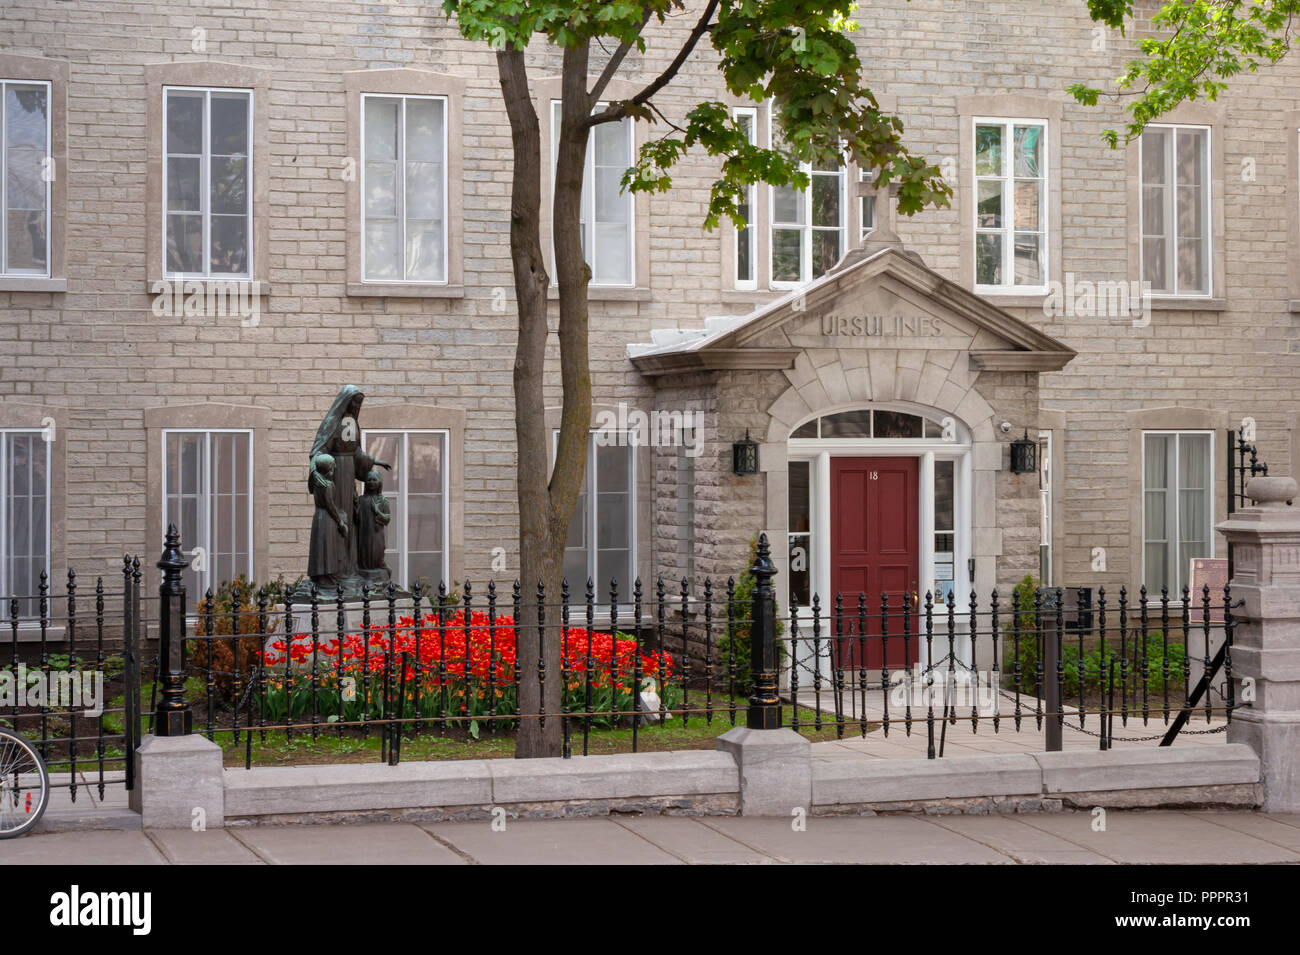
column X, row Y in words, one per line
column 1067, row 837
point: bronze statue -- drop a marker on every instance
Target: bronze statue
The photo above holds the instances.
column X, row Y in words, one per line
column 373, row 515
column 337, row 464
column 327, row 557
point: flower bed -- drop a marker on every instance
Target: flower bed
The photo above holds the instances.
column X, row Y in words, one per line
column 445, row 669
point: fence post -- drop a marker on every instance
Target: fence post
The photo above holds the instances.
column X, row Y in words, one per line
column 764, row 711
column 774, row 764
column 178, row 776
column 173, row 717
column 1051, row 684
column 1266, row 640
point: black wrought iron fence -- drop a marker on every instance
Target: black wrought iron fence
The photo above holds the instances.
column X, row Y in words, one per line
column 265, row 672
column 1243, row 464
column 397, row 666
column 1044, row 659
column 69, row 684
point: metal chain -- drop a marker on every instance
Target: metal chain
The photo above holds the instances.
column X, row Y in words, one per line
column 1147, row 739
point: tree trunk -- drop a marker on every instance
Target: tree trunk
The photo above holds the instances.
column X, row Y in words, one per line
column 546, row 506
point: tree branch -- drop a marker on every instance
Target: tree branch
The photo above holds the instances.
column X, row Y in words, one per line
column 668, row 122
column 617, row 111
column 615, row 61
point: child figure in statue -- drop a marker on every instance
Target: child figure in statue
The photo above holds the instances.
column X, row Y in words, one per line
column 373, row 515
column 328, row 553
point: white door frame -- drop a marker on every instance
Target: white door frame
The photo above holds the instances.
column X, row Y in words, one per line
column 819, row 451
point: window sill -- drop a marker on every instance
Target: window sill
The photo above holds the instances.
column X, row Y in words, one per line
column 403, row 290
column 189, row 285
column 1012, row 299
column 751, row 297
column 608, row 293
column 30, row 632
column 1294, row 305
column 19, row 283
column 1173, row 303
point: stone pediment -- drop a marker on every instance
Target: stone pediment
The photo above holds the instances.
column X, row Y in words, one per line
column 888, row 300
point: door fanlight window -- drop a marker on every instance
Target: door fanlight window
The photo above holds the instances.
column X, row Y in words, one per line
column 871, row 423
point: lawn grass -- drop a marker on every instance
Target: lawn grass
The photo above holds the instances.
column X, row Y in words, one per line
column 333, row 746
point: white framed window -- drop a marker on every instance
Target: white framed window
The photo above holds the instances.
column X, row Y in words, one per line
column 207, row 182
column 608, row 211
column 799, row 532
column 1176, row 235
column 1177, row 505
column 24, row 516
column 404, row 188
column 1011, row 204
column 868, row 209
column 808, row 226
column 945, row 530
column 26, row 175
column 1045, row 513
column 602, row 532
column 746, row 248
column 417, row 491
column 207, row 493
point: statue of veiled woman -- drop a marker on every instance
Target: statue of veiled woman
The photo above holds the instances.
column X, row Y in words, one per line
column 338, row 439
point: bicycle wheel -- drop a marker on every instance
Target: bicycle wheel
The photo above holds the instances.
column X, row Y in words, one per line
column 24, row 786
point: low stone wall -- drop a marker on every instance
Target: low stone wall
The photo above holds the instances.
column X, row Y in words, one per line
column 699, row 782
column 1199, row 776
column 710, row 783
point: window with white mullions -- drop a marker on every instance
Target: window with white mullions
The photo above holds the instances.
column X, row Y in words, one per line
column 24, row 517
column 1045, row 513
column 1175, row 162
column 1177, row 502
column 1011, row 204
column 207, row 182
column 404, row 185
column 416, row 488
column 607, row 209
column 867, row 207
column 602, row 538
column 808, row 227
column 207, row 494
column 26, row 175
column 746, row 252
column 799, row 587
column 945, row 531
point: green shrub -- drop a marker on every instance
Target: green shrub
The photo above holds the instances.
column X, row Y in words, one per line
column 1091, row 672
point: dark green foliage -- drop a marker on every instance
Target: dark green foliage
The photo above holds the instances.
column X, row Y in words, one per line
column 1020, row 641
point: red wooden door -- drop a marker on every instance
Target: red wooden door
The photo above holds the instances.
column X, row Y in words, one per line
column 874, row 550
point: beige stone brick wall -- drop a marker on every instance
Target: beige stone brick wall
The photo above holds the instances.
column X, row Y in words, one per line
column 98, row 352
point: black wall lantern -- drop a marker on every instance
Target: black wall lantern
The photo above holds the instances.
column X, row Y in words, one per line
column 1024, row 455
column 744, row 456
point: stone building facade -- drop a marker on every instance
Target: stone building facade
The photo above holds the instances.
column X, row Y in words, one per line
column 851, row 347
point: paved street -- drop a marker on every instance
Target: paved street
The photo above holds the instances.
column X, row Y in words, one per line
column 1067, row 837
